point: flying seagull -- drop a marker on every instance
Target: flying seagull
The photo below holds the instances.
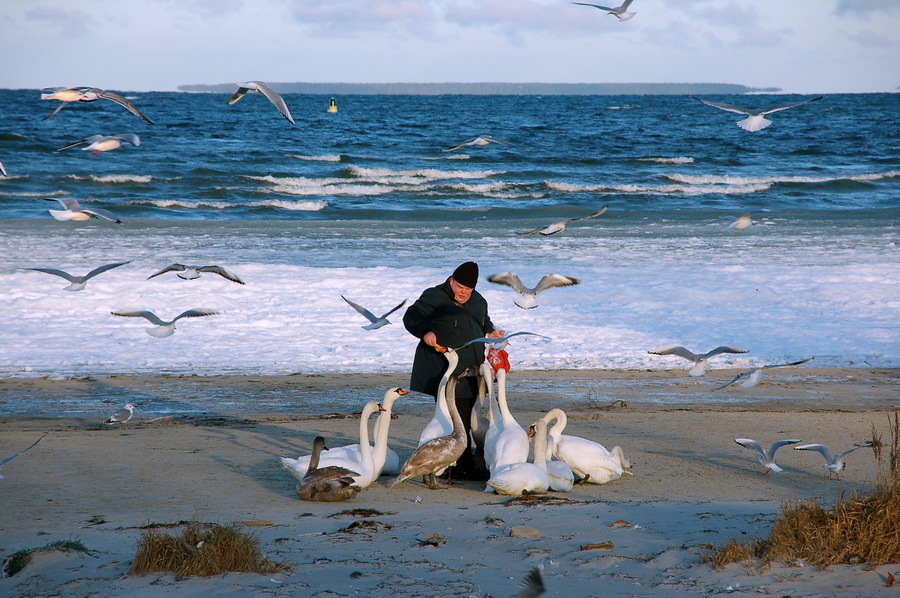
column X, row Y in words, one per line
column 765, row 458
column 78, row 282
column 498, row 342
column 558, row 227
column 3, row 170
column 192, row 272
column 755, row 120
column 834, row 463
column 481, row 140
column 532, row 586
column 699, row 367
column 755, row 375
column 620, row 12
column 527, row 298
column 87, row 94
column 74, row 211
column 376, row 322
column 105, row 143
column 259, row 87
column 742, row 222
column 121, row 416
column 8, row 459
column 164, row 329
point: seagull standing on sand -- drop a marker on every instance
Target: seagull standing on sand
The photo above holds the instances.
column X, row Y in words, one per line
column 755, row 120
column 481, row 140
column 558, row 227
column 755, row 375
column 8, row 459
column 259, row 87
column 527, row 298
column 835, row 464
column 699, row 367
column 192, row 272
column 74, row 211
column 105, row 143
column 87, row 94
column 376, row 322
column 78, row 282
column 163, row 328
column 620, row 12
column 765, row 458
column 121, row 416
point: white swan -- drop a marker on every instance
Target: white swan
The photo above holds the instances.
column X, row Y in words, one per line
column 480, row 422
column 326, row 484
column 438, row 454
column 517, row 478
column 510, row 445
column 562, row 478
column 589, row 460
column 384, row 459
column 441, row 424
column 365, row 467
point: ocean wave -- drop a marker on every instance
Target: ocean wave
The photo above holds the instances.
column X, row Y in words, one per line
column 57, row 193
column 326, row 158
column 419, row 174
column 115, row 179
column 308, row 206
column 712, row 179
column 675, row 160
column 686, row 189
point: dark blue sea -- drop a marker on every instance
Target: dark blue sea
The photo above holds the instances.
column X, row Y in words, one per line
column 382, row 158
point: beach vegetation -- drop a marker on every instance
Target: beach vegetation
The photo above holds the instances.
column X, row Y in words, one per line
column 201, row 550
column 20, row 559
column 860, row 529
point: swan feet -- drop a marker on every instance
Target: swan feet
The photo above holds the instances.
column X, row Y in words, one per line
column 583, row 480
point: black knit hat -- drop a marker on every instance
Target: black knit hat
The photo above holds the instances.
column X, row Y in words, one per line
column 466, row 274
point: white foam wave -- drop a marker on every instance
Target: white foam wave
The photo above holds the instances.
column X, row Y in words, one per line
column 326, row 158
column 57, row 193
column 675, row 160
column 114, row 178
column 306, row 206
column 418, row 175
column 712, row 179
column 686, row 189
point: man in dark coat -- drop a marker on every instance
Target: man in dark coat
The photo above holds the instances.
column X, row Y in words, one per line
column 451, row 314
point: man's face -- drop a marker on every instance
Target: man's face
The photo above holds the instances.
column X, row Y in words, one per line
column 461, row 292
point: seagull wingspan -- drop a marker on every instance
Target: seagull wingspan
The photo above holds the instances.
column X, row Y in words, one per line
column 785, row 365
column 276, row 99
column 169, row 268
column 365, row 312
column 728, row 107
column 104, row 268
column 108, row 95
column 675, row 350
column 509, row 279
column 786, row 106
column 554, row 280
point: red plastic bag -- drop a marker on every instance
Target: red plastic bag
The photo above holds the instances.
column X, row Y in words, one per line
column 498, row 359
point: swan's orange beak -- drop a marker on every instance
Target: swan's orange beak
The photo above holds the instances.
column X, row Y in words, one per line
column 402, row 392
column 380, row 408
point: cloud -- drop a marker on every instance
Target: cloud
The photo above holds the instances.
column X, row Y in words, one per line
column 870, row 39
column 345, row 17
column 72, row 23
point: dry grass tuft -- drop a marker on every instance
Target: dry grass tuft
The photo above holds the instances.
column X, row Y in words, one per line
column 857, row 530
column 201, row 550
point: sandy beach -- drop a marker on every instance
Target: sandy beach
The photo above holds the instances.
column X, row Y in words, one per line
column 207, row 448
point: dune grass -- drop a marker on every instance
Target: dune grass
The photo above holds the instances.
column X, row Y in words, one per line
column 860, row 529
column 21, row 558
column 201, row 550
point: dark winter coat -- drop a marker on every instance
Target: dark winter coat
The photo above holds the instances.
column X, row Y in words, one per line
column 454, row 324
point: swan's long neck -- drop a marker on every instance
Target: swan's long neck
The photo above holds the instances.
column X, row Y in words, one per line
column 540, row 444
column 559, row 419
column 452, row 360
column 501, row 398
column 493, row 413
column 365, row 448
column 459, row 429
column 383, row 424
column 314, row 456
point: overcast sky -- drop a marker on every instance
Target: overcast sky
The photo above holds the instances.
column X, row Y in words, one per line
column 800, row 46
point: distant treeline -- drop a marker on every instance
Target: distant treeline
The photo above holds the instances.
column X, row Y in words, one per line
column 570, row 89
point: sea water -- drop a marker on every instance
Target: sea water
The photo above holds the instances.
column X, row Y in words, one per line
column 365, row 203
